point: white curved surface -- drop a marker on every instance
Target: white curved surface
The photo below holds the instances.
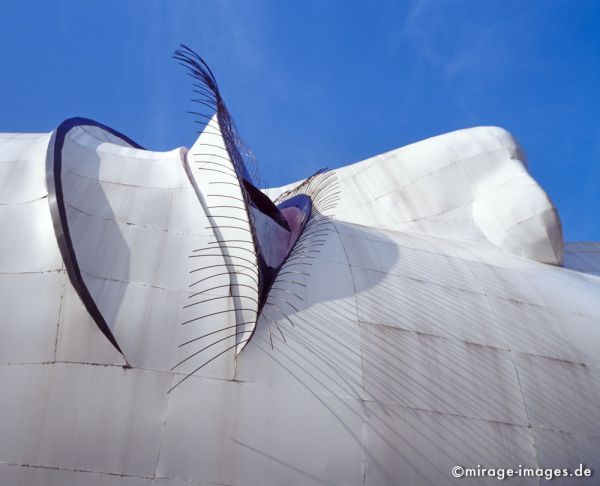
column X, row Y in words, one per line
column 469, row 184
column 214, row 177
column 431, row 332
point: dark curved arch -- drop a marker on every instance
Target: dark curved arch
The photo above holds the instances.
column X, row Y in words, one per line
column 59, row 215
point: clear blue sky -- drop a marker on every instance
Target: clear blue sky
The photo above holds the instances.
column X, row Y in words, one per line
column 323, row 83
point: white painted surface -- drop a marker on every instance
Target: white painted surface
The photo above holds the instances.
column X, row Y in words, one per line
column 435, row 327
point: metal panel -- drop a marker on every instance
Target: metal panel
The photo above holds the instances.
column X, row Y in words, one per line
column 426, row 308
column 442, row 375
column 567, row 450
column 560, row 395
column 539, row 330
column 79, row 339
column 28, row 243
column 83, row 417
column 20, row 475
column 418, row 338
column 255, row 435
column 421, row 447
column 30, row 310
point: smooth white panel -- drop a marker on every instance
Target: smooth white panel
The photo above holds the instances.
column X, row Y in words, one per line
column 79, row 338
column 254, row 435
column 28, row 242
column 567, row 450
column 22, row 146
column 77, row 416
column 22, row 181
column 29, row 312
column 427, row 308
column 548, row 332
column 418, row 447
column 36, row 476
column 86, row 146
column 431, row 373
column 560, row 395
column 175, row 210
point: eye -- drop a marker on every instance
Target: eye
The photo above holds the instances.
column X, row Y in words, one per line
column 232, row 251
column 259, row 239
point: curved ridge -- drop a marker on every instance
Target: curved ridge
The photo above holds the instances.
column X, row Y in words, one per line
column 60, row 222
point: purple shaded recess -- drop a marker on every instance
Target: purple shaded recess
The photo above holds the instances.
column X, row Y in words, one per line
column 277, row 229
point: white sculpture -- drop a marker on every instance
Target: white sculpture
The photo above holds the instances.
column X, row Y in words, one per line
column 426, row 318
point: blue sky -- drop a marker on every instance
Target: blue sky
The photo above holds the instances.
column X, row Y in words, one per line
column 318, row 83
